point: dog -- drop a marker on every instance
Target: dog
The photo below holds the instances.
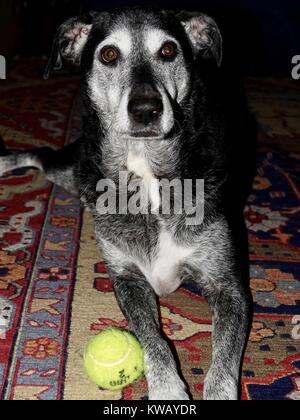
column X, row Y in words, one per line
column 151, row 108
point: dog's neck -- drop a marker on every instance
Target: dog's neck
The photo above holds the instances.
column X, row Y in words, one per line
column 160, row 158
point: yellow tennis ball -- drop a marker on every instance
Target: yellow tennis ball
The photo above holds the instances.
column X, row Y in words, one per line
column 114, row 359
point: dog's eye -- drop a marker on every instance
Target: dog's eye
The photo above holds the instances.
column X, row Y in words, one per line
column 169, row 50
column 109, row 55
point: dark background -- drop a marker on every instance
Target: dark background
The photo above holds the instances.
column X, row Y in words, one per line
column 261, row 36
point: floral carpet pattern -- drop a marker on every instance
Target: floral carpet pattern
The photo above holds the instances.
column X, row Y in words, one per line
column 54, row 290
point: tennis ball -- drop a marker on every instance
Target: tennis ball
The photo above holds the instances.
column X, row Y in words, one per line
column 114, row 359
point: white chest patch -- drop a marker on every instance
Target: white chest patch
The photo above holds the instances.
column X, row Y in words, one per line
column 139, row 166
column 164, row 266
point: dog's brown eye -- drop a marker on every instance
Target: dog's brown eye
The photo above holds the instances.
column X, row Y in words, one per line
column 109, row 55
column 169, row 50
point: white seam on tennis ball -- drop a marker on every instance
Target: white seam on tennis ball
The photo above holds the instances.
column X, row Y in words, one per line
column 109, row 365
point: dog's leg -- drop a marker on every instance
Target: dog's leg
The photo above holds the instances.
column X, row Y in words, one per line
column 138, row 302
column 230, row 328
column 219, row 276
column 57, row 165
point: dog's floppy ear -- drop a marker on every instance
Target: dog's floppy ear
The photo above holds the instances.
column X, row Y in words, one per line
column 69, row 42
column 204, row 35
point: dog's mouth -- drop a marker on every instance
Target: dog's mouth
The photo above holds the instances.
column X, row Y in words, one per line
column 148, row 135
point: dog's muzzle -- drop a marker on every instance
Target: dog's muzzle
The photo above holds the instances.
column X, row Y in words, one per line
column 145, row 110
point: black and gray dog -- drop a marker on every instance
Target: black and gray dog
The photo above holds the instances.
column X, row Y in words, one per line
column 152, row 108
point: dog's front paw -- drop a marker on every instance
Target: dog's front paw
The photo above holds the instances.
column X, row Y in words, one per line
column 162, row 394
column 220, row 386
column 167, row 387
column 164, row 383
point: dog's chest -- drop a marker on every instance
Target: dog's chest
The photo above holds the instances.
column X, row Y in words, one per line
column 141, row 168
column 162, row 269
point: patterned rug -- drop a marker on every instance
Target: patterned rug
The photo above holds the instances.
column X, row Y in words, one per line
column 55, row 293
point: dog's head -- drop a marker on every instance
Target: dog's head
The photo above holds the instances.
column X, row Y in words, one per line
column 138, row 64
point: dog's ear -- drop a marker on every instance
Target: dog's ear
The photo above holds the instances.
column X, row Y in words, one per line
column 204, row 35
column 69, row 42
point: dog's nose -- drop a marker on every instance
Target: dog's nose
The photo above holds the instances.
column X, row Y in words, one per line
column 145, row 110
